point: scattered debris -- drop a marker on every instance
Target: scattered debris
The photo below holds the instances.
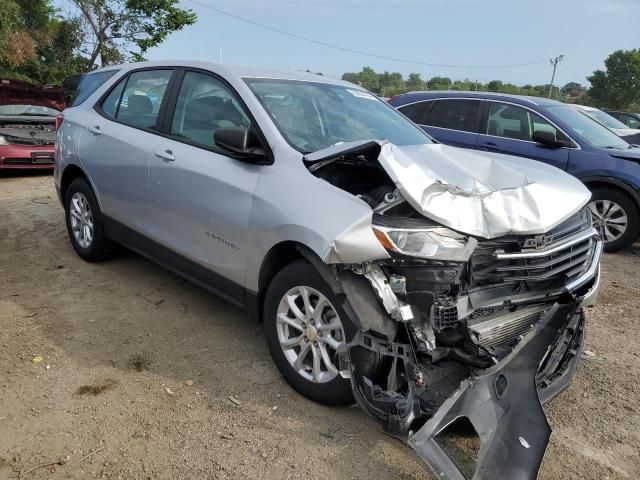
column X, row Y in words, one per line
column 138, row 362
column 184, row 307
column 168, row 390
column 58, row 266
column 139, row 435
column 227, row 436
column 188, row 383
column 331, row 432
column 37, row 359
column 588, row 355
column 99, row 449
column 47, row 367
column 30, row 315
column 275, row 407
column 159, row 302
column 234, row 400
column 97, row 388
column 61, row 461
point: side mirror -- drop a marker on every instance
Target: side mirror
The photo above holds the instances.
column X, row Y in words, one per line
column 548, row 139
column 242, row 142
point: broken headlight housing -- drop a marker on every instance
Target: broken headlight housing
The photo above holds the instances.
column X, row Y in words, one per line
column 429, row 242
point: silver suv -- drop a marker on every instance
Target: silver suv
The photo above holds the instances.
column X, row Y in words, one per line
column 426, row 282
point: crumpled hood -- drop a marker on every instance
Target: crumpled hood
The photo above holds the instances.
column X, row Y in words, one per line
column 481, row 193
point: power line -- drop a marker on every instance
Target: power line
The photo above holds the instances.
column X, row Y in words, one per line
column 351, row 50
column 580, row 80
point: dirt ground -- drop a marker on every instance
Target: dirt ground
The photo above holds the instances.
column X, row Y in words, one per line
column 121, row 342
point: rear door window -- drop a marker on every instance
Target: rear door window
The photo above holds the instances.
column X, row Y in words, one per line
column 136, row 100
column 455, row 114
column 417, row 112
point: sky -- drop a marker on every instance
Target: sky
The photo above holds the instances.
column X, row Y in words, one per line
column 467, row 33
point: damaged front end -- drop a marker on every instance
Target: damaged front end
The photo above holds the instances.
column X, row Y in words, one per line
column 483, row 325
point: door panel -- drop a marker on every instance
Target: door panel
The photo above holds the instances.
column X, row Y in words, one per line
column 200, row 198
column 508, row 130
column 116, row 146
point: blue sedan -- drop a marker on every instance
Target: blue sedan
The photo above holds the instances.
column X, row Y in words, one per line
column 544, row 130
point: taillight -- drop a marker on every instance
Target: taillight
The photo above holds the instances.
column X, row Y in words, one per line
column 391, row 98
column 59, row 120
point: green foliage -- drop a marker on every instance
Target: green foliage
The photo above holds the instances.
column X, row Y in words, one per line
column 619, row 85
column 122, row 30
column 388, row 84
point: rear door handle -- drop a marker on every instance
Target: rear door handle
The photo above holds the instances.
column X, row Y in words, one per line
column 166, row 155
column 95, row 130
column 489, row 146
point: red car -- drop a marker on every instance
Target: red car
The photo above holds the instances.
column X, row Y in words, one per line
column 28, row 124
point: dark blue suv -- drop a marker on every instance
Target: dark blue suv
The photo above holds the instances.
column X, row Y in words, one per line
column 544, row 130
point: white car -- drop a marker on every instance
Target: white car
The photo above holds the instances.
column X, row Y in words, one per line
column 631, row 135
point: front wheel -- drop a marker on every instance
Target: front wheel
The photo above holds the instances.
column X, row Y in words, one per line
column 615, row 216
column 305, row 326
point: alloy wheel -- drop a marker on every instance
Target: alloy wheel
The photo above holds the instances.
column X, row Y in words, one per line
column 609, row 218
column 81, row 220
column 310, row 333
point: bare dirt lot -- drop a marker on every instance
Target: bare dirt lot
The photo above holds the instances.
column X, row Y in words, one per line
column 120, row 343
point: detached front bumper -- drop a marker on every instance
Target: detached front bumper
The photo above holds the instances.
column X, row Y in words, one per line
column 26, row 157
column 504, row 403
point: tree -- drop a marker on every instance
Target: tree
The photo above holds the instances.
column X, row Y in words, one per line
column 353, row 77
column 17, row 45
column 414, row 82
column 125, row 29
column 439, row 83
column 619, row 85
column 369, row 79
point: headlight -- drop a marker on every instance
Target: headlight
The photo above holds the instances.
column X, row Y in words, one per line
column 3, row 141
column 438, row 243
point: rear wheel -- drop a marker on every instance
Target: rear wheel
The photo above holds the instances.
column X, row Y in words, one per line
column 305, row 326
column 84, row 222
column 615, row 216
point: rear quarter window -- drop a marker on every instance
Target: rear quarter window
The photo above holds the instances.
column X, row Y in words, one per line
column 79, row 88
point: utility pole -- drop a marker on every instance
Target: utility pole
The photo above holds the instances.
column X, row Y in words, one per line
column 554, row 62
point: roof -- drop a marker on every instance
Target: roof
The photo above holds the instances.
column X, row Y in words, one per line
column 227, row 70
column 424, row 95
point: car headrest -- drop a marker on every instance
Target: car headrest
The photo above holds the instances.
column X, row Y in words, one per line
column 139, row 105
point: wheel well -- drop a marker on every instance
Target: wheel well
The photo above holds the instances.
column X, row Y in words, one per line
column 595, row 184
column 69, row 175
column 276, row 259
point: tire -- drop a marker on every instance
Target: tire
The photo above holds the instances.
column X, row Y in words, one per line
column 610, row 209
column 80, row 198
column 327, row 388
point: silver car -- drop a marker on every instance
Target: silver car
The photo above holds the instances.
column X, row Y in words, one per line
column 425, row 282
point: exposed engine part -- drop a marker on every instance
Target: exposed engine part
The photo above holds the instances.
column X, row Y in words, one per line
column 459, row 355
column 29, row 133
column 397, row 309
column 390, row 200
column 398, row 284
column 493, row 331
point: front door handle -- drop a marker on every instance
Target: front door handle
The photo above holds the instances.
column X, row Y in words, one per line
column 489, row 146
column 166, row 155
column 95, row 130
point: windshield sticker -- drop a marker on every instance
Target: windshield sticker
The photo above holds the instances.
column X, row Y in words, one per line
column 361, row 94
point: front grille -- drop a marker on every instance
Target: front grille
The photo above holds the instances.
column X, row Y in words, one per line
column 559, row 256
column 17, row 161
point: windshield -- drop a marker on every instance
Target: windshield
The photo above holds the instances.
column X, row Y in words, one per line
column 37, row 110
column 587, row 128
column 312, row 116
column 606, row 119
